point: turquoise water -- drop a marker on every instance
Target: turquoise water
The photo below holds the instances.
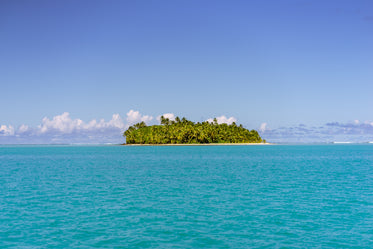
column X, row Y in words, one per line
column 186, row 197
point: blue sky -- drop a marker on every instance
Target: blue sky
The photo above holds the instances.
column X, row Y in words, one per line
column 271, row 65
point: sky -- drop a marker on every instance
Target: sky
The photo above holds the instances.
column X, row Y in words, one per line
column 83, row 71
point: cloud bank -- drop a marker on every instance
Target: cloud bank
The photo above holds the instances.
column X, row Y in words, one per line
column 355, row 131
column 64, row 124
column 63, row 128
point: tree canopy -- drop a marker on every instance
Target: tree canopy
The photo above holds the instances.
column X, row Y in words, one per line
column 183, row 131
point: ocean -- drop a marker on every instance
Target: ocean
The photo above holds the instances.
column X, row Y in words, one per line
column 272, row 196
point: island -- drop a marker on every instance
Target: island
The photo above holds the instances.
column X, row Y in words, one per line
column 183, row 131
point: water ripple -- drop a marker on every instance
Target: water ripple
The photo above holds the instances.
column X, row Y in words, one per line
column 186, row 197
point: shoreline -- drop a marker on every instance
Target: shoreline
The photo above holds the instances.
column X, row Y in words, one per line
column 211, row 144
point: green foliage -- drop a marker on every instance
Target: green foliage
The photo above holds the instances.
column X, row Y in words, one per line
column 183, row 131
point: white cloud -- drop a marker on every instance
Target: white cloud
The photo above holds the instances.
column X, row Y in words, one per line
column 263, row 127
column 116, row 121
column 65, row 129
column 6, row 130
column 23, row 128
column 223, row 119
column 170, row 116
column 134, row 117
column 62, row 123
column 65, row 124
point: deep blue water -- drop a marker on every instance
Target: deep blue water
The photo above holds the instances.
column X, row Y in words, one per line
column 186, row 197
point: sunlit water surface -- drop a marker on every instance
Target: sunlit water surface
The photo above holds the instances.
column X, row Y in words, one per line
column 186, row 196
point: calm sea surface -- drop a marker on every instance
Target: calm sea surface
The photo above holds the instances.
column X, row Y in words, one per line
column 186, row 196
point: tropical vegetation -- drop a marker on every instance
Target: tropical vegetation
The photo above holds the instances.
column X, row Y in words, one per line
column 183, row 131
